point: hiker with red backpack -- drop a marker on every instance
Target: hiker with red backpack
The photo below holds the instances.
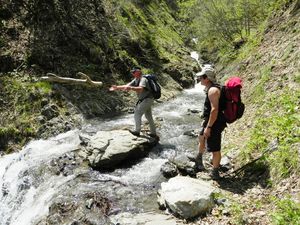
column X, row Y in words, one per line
column 213, row 121
column 221, row 106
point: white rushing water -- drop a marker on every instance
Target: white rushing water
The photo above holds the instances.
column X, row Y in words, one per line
column 26, row 189
column 27, row 186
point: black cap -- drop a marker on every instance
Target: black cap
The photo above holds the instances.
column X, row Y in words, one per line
column 136, row 68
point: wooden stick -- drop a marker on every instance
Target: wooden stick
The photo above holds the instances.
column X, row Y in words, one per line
column 67, row 80
column 273, row 146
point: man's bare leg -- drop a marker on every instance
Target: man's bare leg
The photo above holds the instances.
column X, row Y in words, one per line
column 201, row 145
column 216, row 164
column 201, row 148
column 216, row 159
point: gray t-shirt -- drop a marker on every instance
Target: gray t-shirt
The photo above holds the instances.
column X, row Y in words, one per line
column 143, row 82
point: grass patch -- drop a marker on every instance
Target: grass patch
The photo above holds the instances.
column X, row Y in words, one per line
column 23, row 102
column 287, row 52
column 7, row 134
column 151, row 28
column 236, row 210
column 286, row 212
column 253, row 41
column 44, row 87
column 297, row 78
column 259, row 91
column 278, row 120
column 7, row 131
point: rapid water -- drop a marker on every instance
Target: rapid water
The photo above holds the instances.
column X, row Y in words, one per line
column 29, row 186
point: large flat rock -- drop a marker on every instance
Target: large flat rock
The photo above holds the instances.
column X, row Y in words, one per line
column 107, row 149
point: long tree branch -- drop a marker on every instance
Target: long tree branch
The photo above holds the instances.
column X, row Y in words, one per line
column 67, row 80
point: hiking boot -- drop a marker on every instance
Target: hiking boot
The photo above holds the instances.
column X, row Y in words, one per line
column 135, row 133
column 200, row 167
column 198, row 162
column 214, row 174
column 155, row 136
column 194, row 157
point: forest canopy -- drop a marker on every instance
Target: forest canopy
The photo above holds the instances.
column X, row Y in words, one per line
column 218, row 25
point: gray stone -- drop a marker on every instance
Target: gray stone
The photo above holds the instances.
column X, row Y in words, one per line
column 169, row 169
column 184, row 165
column 186, row 197
column 150, row 218
column 106, row 149
column 50, row 111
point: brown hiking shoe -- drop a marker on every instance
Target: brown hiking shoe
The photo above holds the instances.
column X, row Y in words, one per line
column 135, row 133
column 155, row 136
column 214, row 174
column 198, row 162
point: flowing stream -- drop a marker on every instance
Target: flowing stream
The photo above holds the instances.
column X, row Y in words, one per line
column 29, row 185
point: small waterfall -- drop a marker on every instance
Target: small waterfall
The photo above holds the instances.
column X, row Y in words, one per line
column 26, row 185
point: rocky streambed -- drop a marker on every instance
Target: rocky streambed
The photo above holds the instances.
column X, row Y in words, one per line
column 102, row 174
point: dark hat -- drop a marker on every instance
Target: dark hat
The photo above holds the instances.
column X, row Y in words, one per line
column 136, row 68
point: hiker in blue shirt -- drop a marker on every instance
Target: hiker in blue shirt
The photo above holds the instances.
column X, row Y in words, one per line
column 214, row 121
column 145, row 101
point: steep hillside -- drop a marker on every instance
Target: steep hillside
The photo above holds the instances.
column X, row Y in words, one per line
column 103, row 39
column 267, row 191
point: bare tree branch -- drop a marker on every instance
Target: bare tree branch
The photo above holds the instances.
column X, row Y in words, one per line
column 67, row 80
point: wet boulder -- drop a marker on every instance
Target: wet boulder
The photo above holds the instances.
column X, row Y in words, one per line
column 169, row 169
column 50, row 111
column 180, row 164
column 184, row 165
column 186, row 197
column 82, row 208
column 108, row 149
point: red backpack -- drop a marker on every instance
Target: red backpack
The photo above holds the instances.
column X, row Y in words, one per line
column 231, row 99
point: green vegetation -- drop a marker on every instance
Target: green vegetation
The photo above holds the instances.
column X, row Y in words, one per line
column 152, row 28
column 236, row 210
column 223, row 26
column 286, row 212
column 2, row 43
column 297, row 78
column 7, row 132
column 23, row 105
column 277, row 128
column 44, row 87
column 287, row 52
column 277, row 120
column 259, row 92
column 253, row 41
